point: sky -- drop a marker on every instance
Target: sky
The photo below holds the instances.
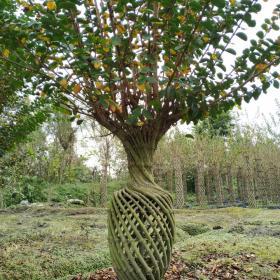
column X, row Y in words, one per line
column 252, row 113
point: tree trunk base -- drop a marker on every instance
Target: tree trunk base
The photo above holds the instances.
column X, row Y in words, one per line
column 141, row 233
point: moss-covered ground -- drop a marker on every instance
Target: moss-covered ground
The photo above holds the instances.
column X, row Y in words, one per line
column 49, row 243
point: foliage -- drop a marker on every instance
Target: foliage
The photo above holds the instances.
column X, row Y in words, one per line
column 19, row 116
column 219, row 125
column 272, row 122
column 118, row 64
column 27, row 171
column 244, row 165
column 18, row 119
column 195, row 229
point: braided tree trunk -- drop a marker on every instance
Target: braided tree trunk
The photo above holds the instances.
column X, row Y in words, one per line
column 179, row 186
column 260, row 182
column 141, row 222
column 249, row 185
column 230, row 185
column 207, row 180
column 218, row 185
column 199, row 185
column 240, row 187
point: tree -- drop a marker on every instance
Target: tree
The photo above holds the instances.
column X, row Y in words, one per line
column 137, row 68
column 64, row 135
column 218, row 125
column 105, row 141
column 178, row 150
column 18, row 118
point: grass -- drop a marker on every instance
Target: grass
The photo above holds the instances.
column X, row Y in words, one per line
column 58, row 243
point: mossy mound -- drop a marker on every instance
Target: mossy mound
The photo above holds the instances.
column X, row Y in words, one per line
column 195, row 229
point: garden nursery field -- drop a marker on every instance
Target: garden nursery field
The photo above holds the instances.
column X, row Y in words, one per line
column 127, row 148
column 46, row 242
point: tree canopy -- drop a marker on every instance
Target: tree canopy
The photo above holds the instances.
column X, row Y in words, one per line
column 138, row 64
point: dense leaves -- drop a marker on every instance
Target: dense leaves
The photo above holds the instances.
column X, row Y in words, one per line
column 138, row 63
column 220, row 125
column 18, row 118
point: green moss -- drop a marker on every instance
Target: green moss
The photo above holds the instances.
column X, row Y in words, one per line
column 195, row 229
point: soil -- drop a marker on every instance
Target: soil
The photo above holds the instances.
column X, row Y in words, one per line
column 212, row 267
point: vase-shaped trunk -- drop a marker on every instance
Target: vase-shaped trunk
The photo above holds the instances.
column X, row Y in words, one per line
column 141, row 222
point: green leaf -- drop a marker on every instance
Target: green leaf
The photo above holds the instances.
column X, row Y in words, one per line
column 189, row 136
column 220, row 65
column 230, row 50
column 195, row 5
column 260, row 34
column 220, row 75
column 147, row 114
column 242, row 36
column 256, row 8
column 116, row 41
column 276, row 84
column 62, row 110
column 219, row 3
column 68, row 5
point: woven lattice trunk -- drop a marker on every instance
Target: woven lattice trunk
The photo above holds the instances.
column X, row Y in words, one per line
column 140, row 221
column 179, row 186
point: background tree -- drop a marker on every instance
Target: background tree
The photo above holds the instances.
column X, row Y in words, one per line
column 18, row 118
column 178, row 163
column 218, row 125
column 64, row 139
column 105, row 143
column 137, row 68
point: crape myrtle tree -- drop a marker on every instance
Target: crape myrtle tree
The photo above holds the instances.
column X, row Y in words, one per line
column 137, row 67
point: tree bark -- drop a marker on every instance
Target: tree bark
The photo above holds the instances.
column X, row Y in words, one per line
column 179, row 187
column 230, row 185
column 104, row 175
column 207, row 181
column 170, row 178
column 249, row 185
column 199, row 185
column 240, row 187
column 218, row 185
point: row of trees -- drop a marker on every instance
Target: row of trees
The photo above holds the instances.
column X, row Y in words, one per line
column 242, row 169
column 222, row 164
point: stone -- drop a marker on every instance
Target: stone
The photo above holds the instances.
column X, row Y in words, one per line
column 75, row 201
column 25, row 203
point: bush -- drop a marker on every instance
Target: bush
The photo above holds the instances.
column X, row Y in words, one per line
column 195, row 229
column 28, row 188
